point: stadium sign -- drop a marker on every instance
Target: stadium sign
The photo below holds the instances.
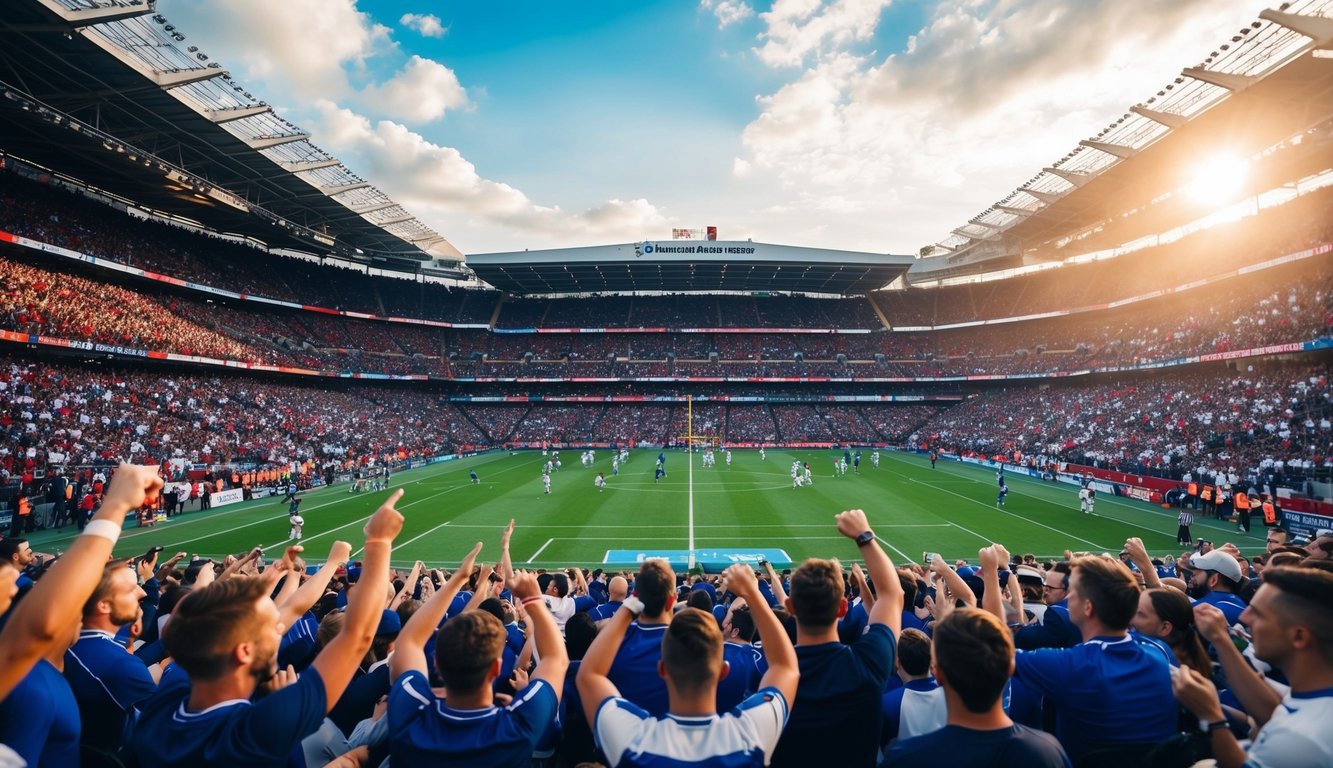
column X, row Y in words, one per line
column 672, row 249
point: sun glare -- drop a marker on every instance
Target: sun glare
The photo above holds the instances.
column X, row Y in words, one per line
column 1217, row 179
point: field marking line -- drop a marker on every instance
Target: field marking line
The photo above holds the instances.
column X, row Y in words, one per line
column 691, row 508
column 543, row 547
column 748, row 526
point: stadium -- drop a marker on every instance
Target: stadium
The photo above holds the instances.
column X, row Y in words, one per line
column 193, row 284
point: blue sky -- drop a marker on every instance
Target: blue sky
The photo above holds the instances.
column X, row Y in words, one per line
column 875, row 125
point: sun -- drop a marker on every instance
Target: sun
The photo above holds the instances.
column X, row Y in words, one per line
column 1217, row 179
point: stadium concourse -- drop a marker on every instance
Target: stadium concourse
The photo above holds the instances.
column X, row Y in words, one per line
column 254, row 414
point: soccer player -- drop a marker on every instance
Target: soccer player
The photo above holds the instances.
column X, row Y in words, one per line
column 658, row 473
column 856, row 463
column 762, row 457
column 473, row 474
column 1004, row 491
column 728, row 457
column 874, row 460
column 295, row 506
column 693, row 734
column 933, row 457
column 600, row 482
column 295, row 521
column 546, row 484
column 809, row 476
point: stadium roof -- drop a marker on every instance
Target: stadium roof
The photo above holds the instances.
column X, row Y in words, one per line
column 1265, row 94
column 106, row 91
column 677, row 266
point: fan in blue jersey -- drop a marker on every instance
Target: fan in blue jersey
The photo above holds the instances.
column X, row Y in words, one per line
column 465, row 728
column 973, row 657
column 1114, row 687
column 693, row 733
column 226, row 636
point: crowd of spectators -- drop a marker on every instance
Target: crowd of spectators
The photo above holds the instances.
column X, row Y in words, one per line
column 1088, row 660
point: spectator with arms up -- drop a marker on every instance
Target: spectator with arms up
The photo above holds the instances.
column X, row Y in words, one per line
column 841, row 685
column 692, row 733
column 225, row 637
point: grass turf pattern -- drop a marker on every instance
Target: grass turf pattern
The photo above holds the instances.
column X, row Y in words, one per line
column 913, row 509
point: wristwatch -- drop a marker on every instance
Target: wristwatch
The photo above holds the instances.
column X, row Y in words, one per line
column 864, row 538
column 1214, row 726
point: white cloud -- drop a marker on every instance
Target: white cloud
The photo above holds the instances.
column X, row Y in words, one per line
column 428, row 24
column 983, row 97
column 728, row 12
column 798, row 28
column 439, row 184
column 297, row 46
column 419, row 93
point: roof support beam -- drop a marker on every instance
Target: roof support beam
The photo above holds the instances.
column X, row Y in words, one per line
column 309, row 165
column 1169, row 119
column 1014, row 211
column 1045, row 197
column 391, row 222
column 1318, row 28
column 181, row 77
column 83, row 17
column 264, row 142
column 340, row 189
column 1076, row 178
column 220, row 116
column 1119, row 150
column 1233, row 83
column 371, row 208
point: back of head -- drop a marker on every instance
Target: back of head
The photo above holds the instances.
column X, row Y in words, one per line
column 209, row 623
column 654, row 585
column 1110, row 587
column 974, row 656
column 817, row 593
column 1304, row 596
column 580, row 631
column 561, row 582
column 466, row 647
column 692, row 650
column 1171, row 605
column 914, row 652
column 699, row 599
column 618, row 588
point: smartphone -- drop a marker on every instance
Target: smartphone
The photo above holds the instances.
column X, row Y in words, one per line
column 929, row 557
column 763, row 562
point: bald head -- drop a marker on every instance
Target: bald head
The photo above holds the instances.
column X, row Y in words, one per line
column 618, row 588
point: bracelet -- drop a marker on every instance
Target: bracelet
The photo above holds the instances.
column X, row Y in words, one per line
column 104, row 529
column 533, row 599
column 1214, row 726
column 634, row 604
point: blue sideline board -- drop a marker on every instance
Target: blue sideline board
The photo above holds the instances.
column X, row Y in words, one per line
column 711, row 560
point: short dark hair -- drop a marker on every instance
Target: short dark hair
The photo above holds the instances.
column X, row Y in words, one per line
column 465, row 648
column 692, row 649
column 1108, row 584
column 699, row 599
column 974, row 652
column 1304, row 597
column 654, row 585
column 743, row 622
column 561, row 584
column 209, row 622
column 816, row 593
column 10, row 547
column 914, row 652
column 580, row 631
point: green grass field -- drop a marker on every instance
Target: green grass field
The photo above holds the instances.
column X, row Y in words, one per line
column 913, row 509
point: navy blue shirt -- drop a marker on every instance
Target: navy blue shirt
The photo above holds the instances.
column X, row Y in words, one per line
column 1230, row 605
column 237, row 732
column 742, row 675
column 1013, row 747
column 835, row 719
column 40, row 719
column 1054, row 631
column 109, row 683
column 1106, row 691
column 634, row 670
column 424, row 730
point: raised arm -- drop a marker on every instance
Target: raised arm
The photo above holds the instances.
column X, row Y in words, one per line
column 239, row 563
column 553, row 659
column 1139, row 556
column 1253, row 692
column 314, row 587
column 409, row 586
column 775, row 584
column 483, row 589
column 339, row 659
column 991, row 601
column 863, row 587
column 409, row 649
column 888, row 608
column 783, row 672
column 55, row 604
column 953, row 584
column 506, row 566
